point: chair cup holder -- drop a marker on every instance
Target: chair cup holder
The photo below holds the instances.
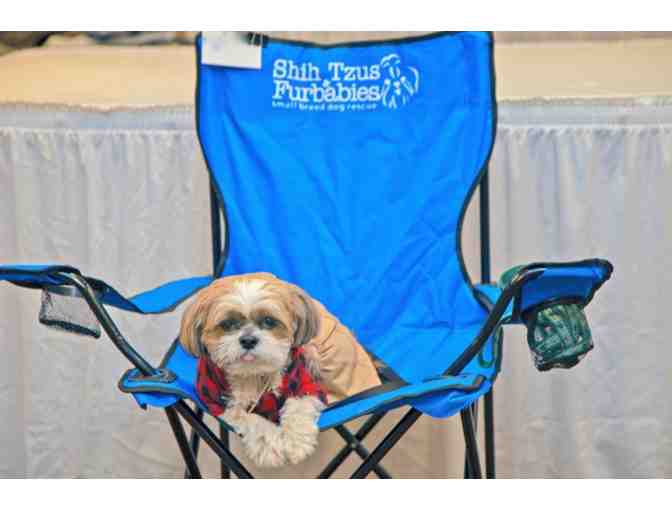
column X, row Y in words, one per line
column 64, row 308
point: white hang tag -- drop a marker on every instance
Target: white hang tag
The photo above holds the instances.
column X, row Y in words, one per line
column 232, row 49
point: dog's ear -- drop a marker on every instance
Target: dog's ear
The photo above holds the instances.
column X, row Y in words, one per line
column 306, row 315
column 196, row 314
column 191, row 328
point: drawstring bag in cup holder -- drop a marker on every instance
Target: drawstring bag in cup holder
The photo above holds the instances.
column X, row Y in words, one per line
column 558, row 333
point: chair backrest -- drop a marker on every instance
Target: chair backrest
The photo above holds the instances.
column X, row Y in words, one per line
column 347, row 169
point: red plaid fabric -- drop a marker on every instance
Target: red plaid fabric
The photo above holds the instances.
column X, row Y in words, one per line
column 215, row 392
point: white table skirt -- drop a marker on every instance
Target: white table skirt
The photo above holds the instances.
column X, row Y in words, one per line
column 123, row 195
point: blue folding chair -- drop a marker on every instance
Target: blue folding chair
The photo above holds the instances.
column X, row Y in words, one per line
column 347, row 169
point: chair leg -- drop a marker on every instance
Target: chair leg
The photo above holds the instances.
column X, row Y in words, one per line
column 185, row 447
column 195, row 443
column 386, row 444
column 347, row 449
column 194, row 440
column 213, row 441
column 470, row 441
column 468, row 473
column 224, row 437
column 353, row 442
column 489, row 416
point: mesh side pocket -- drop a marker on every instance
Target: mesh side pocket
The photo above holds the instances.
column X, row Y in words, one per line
column 64, row 308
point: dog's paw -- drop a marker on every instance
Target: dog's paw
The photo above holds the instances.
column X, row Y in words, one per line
column 299, row 425
column 263, row 453
column 262, row 441
column 299, row 450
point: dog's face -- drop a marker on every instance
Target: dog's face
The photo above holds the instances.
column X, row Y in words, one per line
column 247, row 324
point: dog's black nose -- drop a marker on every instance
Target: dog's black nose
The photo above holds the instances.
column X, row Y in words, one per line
column 248, row 341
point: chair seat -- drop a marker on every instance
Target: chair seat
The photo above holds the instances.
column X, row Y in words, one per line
column 451, row 394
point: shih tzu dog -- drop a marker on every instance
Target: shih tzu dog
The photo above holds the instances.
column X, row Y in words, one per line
column 255, row 369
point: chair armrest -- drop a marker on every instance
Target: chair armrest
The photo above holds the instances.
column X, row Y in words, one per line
column 97, row 293
column 535, row 285
column 161, row 299
column 87, row 292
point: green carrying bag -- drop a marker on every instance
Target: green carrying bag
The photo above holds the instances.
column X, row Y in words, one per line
column 558, row 334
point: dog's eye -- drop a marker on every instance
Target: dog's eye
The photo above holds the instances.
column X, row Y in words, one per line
column 268, row 322
column 229, row 324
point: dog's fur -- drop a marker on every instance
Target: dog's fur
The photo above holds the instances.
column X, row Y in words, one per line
column 280, row 316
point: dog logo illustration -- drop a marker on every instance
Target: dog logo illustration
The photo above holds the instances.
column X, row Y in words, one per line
column 401, row 82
